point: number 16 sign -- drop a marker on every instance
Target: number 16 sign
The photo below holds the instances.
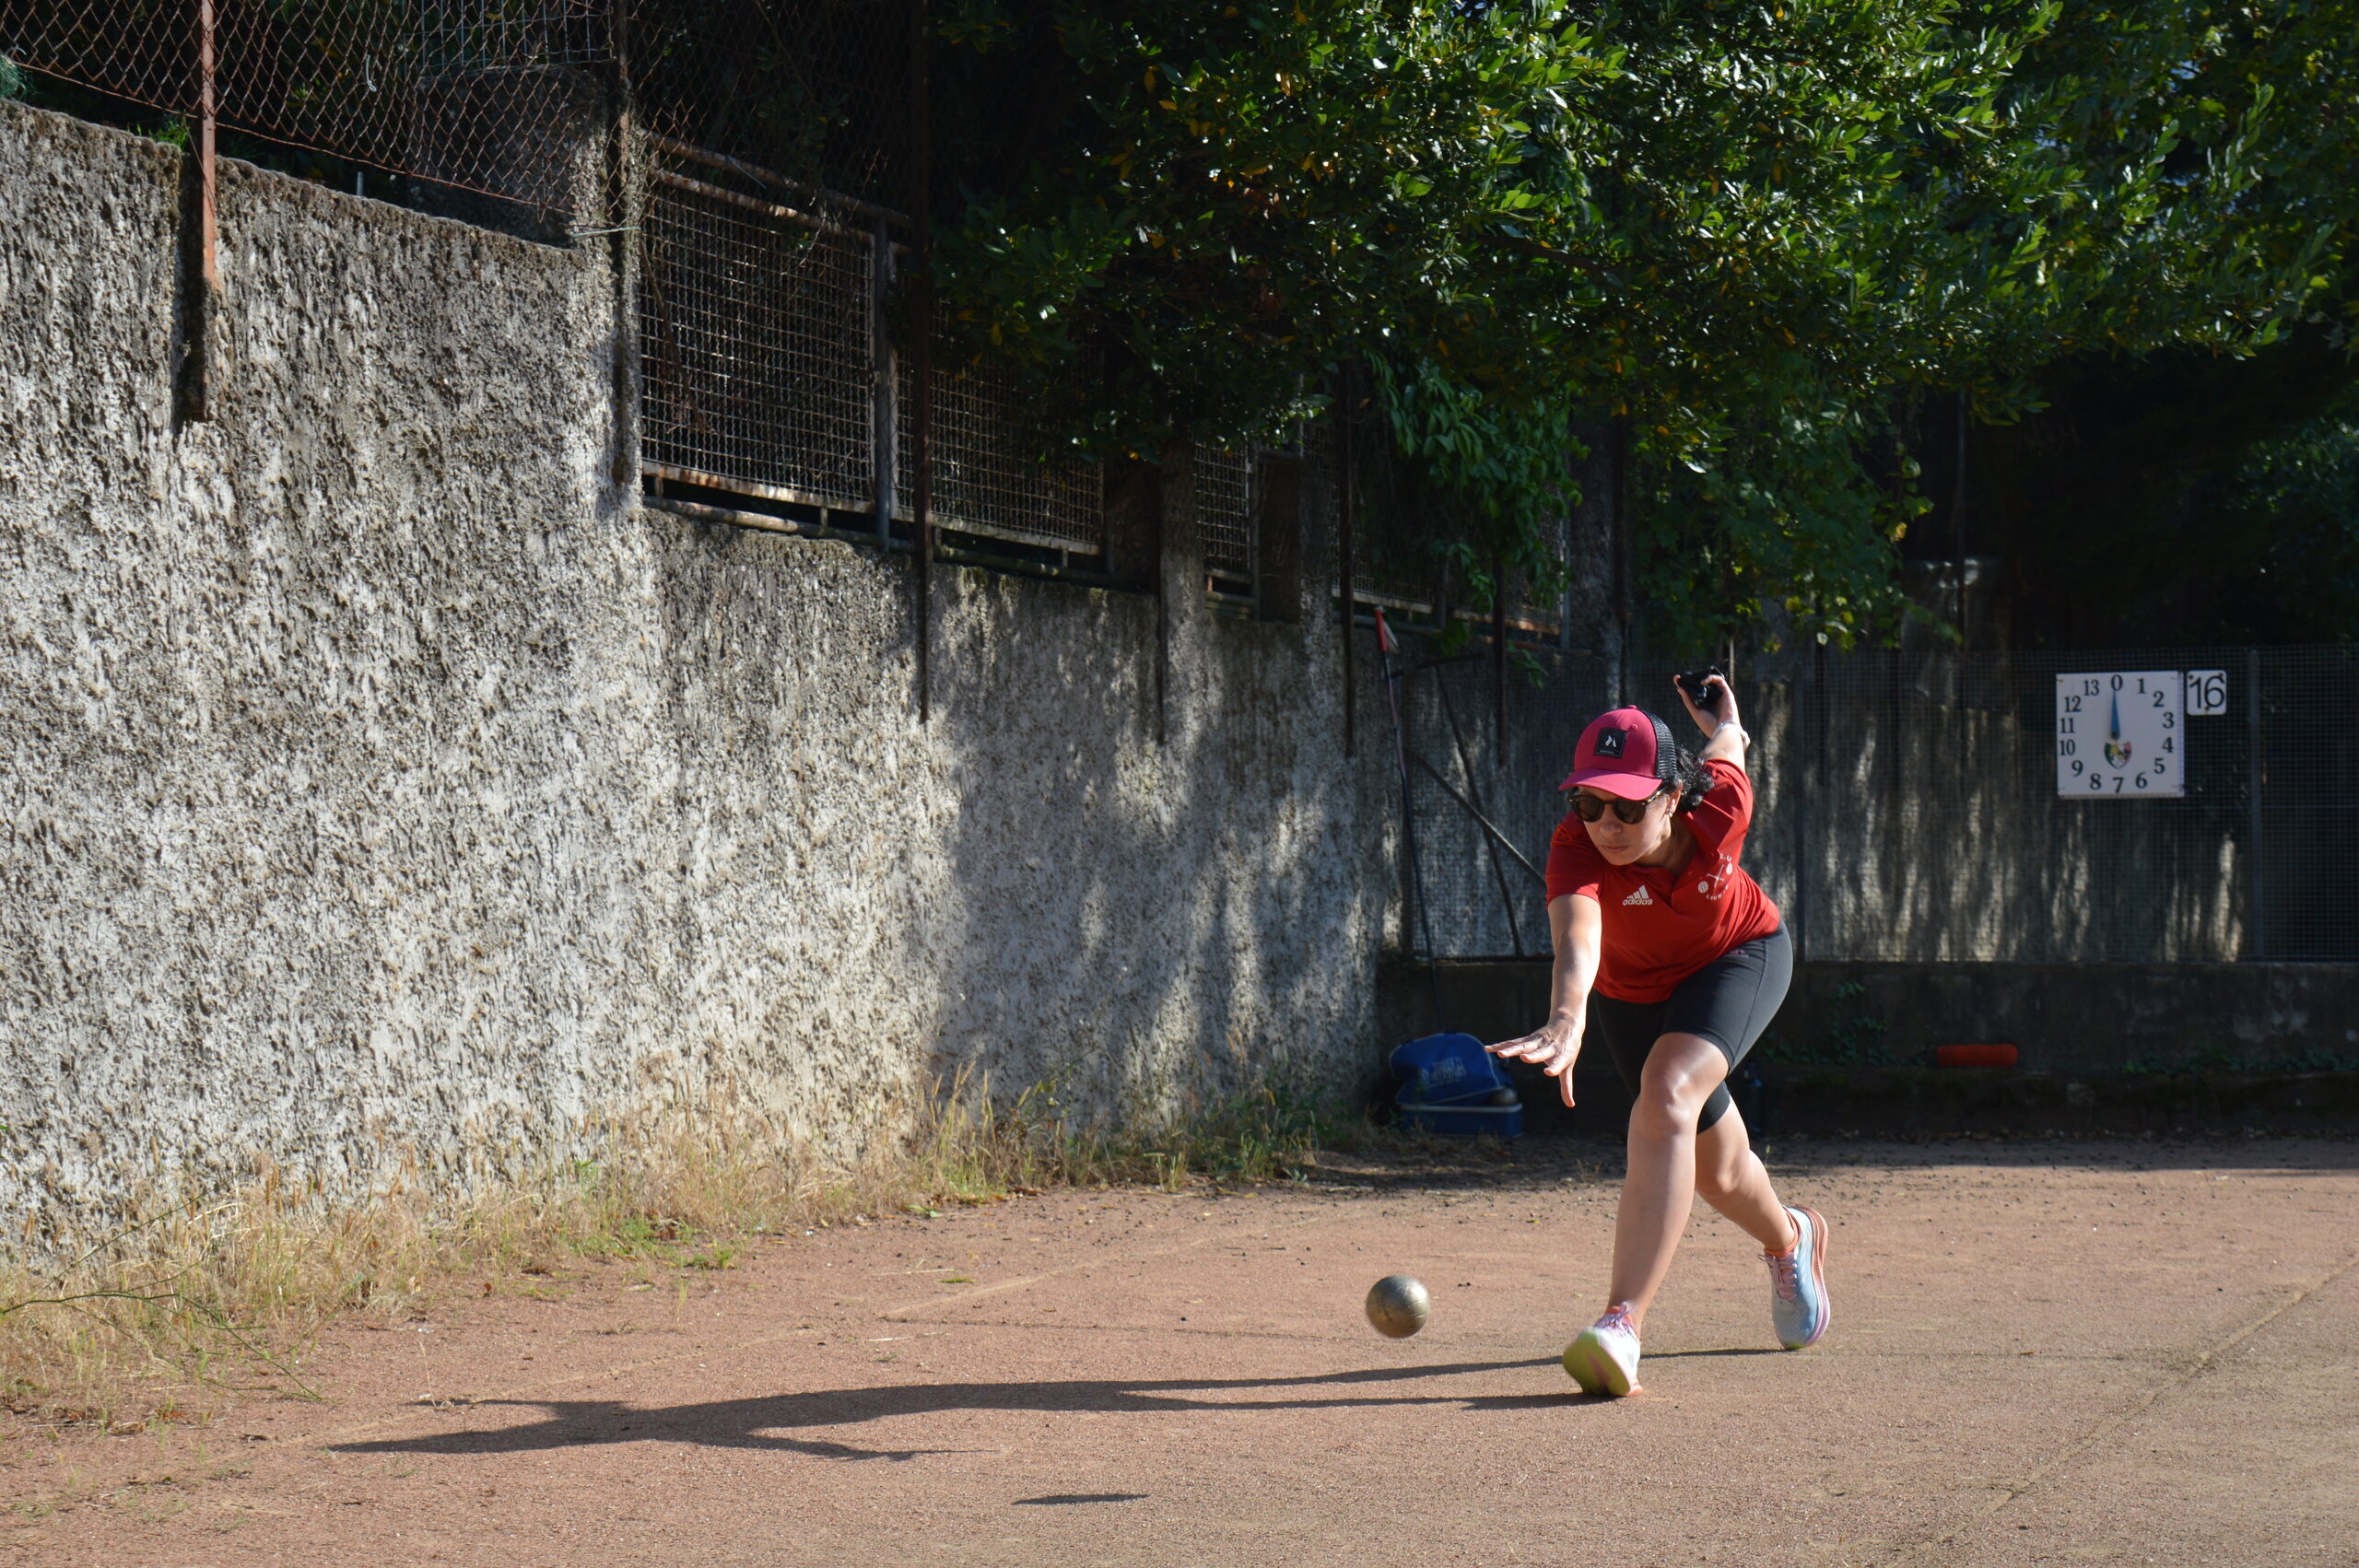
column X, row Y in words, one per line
column 2118, row 734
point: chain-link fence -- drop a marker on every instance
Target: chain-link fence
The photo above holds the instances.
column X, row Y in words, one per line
column 1928, row 807
column 504, row 98
column 774, row 163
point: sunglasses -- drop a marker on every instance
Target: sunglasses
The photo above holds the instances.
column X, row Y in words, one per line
column 1628, row 813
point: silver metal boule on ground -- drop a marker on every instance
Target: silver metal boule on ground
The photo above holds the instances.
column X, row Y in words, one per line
column 1398, row 1304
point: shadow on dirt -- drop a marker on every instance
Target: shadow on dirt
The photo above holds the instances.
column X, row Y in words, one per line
column 750, row 1424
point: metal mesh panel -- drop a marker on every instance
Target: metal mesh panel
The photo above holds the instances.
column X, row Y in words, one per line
column 815, row 91
column 989, row 476
column 1394, row 565
column 1480, row 900
column 755, row 332
column 504, row 98
column 1225, row 512
column 1533, row 612
column 775, row 152
column 779, row 138
column 1921, row 806
column 141, row 49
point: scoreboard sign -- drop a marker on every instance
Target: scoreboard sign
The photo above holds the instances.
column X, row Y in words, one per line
column 2119, row 733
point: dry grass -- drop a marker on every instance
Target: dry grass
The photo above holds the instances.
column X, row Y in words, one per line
column 161, row 1320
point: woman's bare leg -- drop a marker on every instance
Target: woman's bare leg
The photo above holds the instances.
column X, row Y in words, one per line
column 1659, row 1190
column 1729, row 1176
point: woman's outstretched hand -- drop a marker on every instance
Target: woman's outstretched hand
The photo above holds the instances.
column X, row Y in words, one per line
column 1551, row 1047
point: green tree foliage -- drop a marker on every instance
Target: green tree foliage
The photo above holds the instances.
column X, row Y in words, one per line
column 1752, row 232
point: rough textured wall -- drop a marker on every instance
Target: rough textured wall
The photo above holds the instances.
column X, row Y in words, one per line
column 386, row 791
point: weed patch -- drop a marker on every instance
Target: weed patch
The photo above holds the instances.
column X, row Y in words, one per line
column 201, row 1301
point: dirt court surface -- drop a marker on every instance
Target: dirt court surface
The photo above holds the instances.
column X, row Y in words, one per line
column 2131, row 1351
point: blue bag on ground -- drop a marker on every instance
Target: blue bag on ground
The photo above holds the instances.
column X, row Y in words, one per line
column 1450, row 1084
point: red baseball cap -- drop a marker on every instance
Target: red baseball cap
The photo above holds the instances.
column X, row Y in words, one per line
column 1627, row 753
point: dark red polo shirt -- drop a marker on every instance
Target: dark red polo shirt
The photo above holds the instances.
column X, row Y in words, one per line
column 1659, row 929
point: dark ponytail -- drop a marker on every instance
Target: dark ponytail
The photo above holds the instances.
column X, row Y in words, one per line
column 1695, row 780
column 1680, row 769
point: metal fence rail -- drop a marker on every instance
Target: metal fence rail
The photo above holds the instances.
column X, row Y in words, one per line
column 1923, row 806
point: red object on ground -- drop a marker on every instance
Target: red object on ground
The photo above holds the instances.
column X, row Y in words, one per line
column 1974, row 1055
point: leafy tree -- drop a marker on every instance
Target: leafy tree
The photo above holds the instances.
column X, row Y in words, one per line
column 1756, row 233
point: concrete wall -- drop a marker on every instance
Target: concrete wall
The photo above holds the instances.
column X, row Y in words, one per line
column 388, row 790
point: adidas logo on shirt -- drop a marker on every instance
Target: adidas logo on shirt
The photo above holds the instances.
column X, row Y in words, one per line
column 1641, row 897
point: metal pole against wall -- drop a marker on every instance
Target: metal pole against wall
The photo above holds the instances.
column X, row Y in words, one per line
column 1163, row 610
column 624, row 467
column 921, row 356
column 885, row 413
column 1798, row 752
column 1498, row 665
column 1814, row 746
column 1957, row 520
column 201, row 234
column 208, row 170
column 1347, row 505
column 2255, row 777
column 1618, row 680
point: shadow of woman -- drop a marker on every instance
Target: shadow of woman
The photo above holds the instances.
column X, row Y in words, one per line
column 759, row 1422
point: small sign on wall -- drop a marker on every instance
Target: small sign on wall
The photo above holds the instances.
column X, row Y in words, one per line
column 2117, row 735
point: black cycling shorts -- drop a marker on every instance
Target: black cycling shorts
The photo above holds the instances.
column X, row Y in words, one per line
column 1729, row 1001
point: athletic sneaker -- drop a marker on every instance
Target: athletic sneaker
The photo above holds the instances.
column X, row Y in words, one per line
column 1798, row 1303
column 1603, row 1357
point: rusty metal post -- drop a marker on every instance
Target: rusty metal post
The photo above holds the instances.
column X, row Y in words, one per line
column 200, row 242
column 208, row 187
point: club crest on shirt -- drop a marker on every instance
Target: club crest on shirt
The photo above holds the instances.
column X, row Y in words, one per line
column 1714, row 884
